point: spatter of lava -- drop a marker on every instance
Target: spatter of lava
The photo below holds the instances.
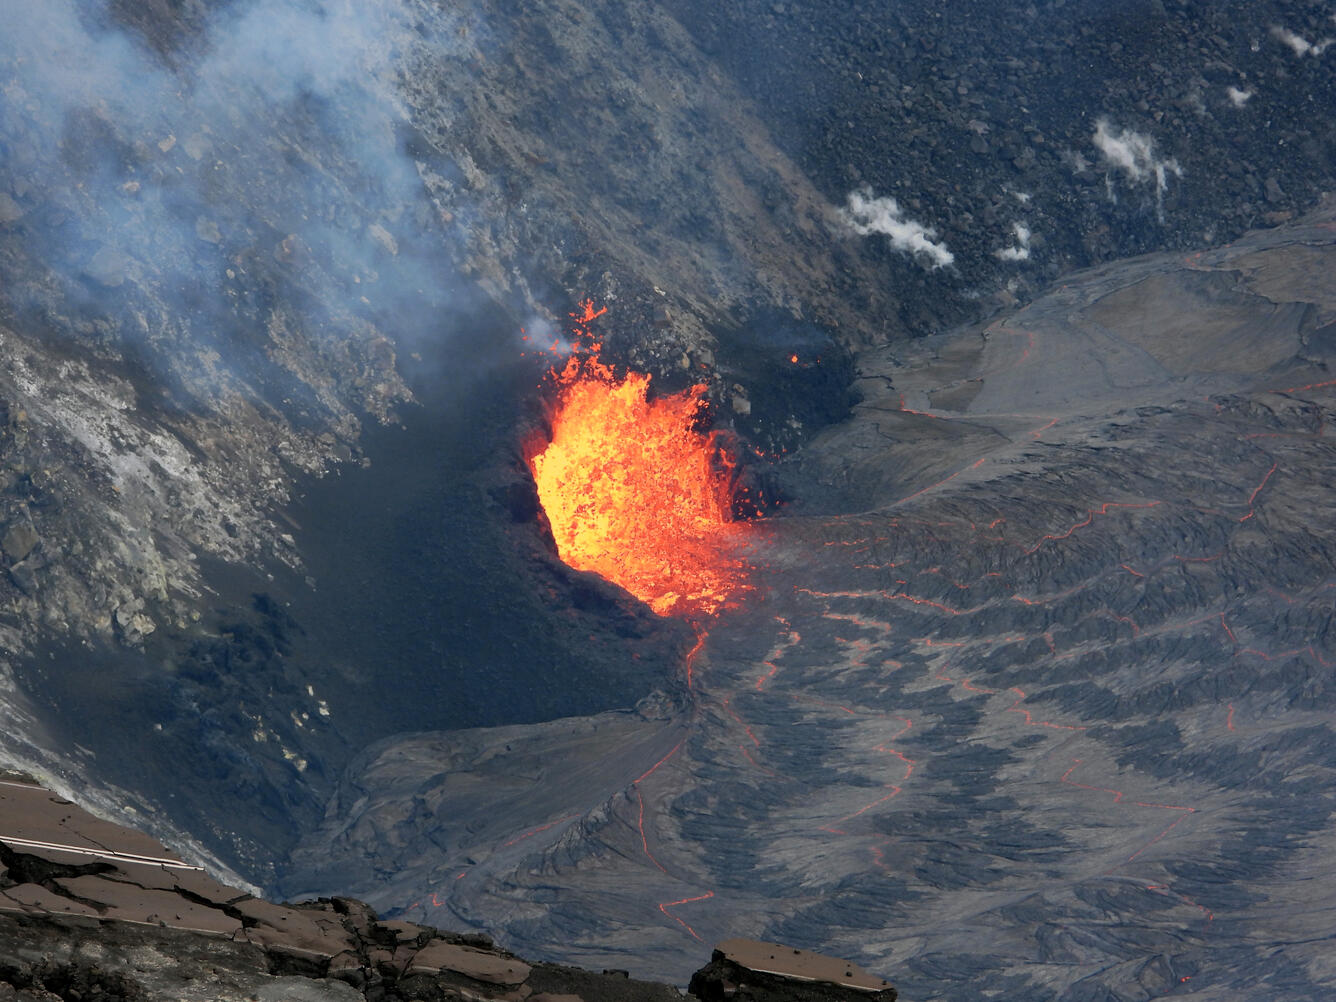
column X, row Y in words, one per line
column 633, row 491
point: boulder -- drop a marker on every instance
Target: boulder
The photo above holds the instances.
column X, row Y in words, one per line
column 742, row 969
column 480, row 965
column 19, row 539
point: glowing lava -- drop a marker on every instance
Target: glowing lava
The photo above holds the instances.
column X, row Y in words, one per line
column 634, row 492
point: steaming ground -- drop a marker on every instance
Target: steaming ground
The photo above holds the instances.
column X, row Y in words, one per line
column 1035, row 699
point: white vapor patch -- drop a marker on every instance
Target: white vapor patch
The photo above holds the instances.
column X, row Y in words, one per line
column 1298, row 44
column 543, row 335
column 1134, row 154
column 1078, row 162
column 866, row 215
column 1238, row 98
column 1021, row 250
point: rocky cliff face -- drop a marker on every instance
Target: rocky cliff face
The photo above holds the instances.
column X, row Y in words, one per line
column 276, row 281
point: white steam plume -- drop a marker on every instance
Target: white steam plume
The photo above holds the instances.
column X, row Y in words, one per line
column 866, row 215
column 1021, row 250
column 1134, row 154
column 1298, row 44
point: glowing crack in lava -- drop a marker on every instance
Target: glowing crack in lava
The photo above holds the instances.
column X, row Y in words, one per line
column 633, row 491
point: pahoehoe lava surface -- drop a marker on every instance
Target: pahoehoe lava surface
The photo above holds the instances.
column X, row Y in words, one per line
column 1036, row 697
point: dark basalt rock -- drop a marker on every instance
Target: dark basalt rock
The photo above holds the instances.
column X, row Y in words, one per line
column 46, row 980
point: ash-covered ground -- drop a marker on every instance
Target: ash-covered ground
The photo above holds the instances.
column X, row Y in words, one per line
column 272, row 276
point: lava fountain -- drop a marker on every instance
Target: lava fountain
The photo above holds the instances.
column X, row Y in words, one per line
column 633, row 490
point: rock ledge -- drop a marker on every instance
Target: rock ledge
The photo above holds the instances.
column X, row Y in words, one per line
column 90, row 910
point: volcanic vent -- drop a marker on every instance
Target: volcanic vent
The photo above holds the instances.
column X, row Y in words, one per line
column 634, row 490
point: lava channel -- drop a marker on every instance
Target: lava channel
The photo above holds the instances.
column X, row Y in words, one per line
column 634, row 491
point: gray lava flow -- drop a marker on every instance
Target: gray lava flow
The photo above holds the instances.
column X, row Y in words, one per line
column 1034, row 695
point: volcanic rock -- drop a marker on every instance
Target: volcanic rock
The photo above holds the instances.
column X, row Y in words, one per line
column 745, row 969
column 24, row 576
column 207, row 230
column 470, row 962
column 19, row 539
column 107, row 266
column 136, row 924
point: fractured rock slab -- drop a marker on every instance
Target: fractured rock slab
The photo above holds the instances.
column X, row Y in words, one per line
column 479, row 965
column 128, row 902
column 294, row 931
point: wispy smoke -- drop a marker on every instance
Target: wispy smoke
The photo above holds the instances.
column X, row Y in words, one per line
column 1021, row 250
column 1134, row 154
column 542, row 335
column 1238, row 98
column 867, row 215
column 1298, row 44
column 259, row 165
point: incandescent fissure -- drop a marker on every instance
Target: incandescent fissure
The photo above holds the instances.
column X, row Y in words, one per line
column 634, row 491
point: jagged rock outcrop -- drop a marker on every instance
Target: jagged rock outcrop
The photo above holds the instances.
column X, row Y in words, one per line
column 744, row 969
column 93, row 911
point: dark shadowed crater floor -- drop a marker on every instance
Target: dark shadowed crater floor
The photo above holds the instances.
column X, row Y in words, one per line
column 1033, row 699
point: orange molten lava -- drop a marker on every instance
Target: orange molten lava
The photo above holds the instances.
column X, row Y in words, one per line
column 633, row 492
